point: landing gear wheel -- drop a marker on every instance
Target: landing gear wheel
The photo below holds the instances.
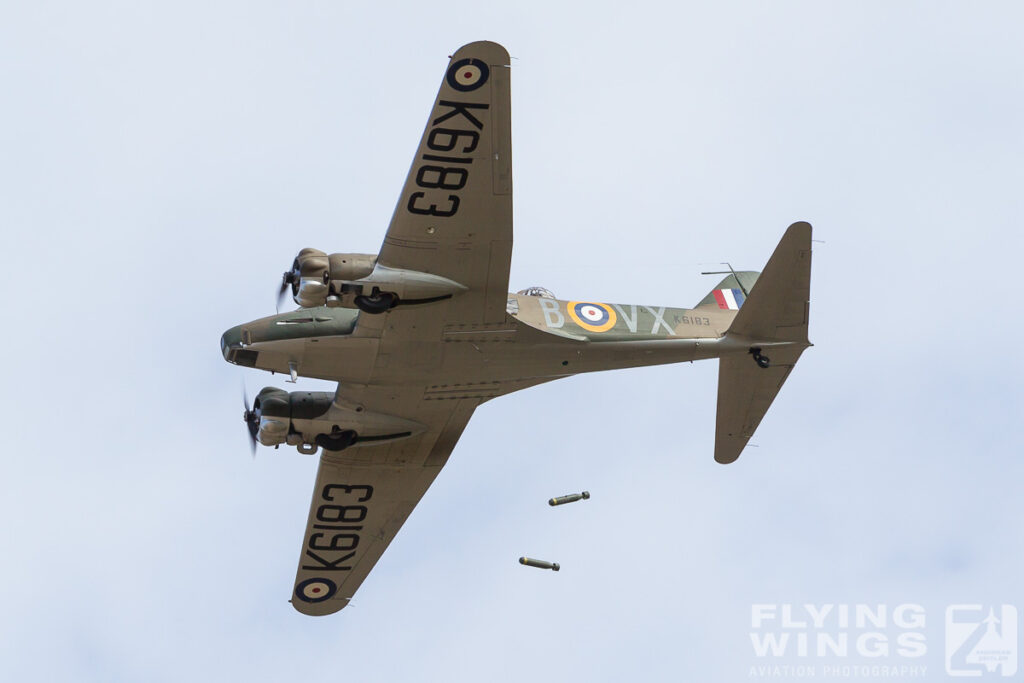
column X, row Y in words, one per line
column 336, row 441
column 762, row 361
column 381, row 302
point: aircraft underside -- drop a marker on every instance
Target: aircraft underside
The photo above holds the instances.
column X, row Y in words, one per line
column 420, row 334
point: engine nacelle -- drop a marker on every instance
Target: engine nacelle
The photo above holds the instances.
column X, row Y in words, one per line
column 351, row 267
column 313, row 271
column 307, row 419
column 358, row 281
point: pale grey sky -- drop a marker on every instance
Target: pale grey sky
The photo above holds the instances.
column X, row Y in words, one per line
column 162, row 163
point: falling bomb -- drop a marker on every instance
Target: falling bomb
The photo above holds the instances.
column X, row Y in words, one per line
column 572, row 498
column 539, row 564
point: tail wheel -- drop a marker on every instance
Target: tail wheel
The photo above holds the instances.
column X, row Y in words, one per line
column 761, row 360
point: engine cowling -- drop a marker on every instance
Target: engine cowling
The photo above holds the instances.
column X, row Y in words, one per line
column 358, row 281
column 349, row 267
column 281, row 415
column 313, row 272
column 307, row 419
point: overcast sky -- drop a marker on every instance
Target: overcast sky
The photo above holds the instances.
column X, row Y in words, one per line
column 161, row 163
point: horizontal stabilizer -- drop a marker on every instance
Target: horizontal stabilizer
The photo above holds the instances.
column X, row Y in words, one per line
column 745, row 391
column 776, row 309
column 773, row 322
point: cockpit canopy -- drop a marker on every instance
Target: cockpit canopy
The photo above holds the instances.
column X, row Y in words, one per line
column 537, row 291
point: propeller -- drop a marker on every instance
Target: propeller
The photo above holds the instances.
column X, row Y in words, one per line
column 252, row 421
column 288, row 281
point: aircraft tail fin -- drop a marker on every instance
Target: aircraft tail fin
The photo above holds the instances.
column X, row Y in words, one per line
column 772, row 325
column 731, row 292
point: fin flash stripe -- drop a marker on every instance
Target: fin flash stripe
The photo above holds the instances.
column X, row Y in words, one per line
column 729, row 299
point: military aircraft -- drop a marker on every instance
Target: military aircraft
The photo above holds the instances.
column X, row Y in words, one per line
column 422, row 333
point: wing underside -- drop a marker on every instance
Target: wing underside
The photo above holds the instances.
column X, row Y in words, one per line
column 454, row 216
column 453, row 219
column 361, row 499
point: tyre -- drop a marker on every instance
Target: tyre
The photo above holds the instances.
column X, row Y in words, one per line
column 338, row 441
column 378, row 303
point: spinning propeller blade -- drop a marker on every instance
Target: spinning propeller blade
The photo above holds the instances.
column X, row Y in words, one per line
column 252, row 421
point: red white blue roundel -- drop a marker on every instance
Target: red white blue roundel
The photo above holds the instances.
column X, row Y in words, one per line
column 315, row 590
column 467, row 74
column 591, row 316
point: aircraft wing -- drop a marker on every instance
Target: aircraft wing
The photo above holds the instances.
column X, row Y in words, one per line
column 454, row 216
column 453, row 219
column 362, row 497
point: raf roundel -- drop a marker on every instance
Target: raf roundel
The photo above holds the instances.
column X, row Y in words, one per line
column 315, row 590
column 467, row 74
column 592, row 317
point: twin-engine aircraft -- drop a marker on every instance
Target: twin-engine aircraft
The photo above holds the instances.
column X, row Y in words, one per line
column 422, row 333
